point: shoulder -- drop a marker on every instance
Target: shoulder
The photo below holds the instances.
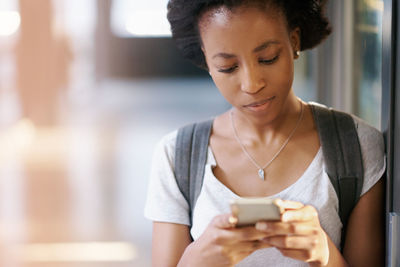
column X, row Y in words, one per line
column 372, row 151
column 368, row 135
column 165, row 202
column 168, row 143
column 371, row 142
column 165, row 149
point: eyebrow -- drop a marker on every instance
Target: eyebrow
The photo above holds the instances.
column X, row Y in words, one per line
column 255, row 50
column 264, row 45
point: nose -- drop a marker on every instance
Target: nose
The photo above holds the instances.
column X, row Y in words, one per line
column 252, row 80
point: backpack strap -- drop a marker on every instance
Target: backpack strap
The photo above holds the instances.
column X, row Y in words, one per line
column 190, row 158
column 343, row 160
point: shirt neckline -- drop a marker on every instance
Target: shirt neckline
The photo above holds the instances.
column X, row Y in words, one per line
column 211, row 162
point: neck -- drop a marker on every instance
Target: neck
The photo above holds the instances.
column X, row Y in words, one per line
column 266, row 130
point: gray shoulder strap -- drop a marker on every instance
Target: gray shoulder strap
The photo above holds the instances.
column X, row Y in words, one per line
column 342, row 154
column 190, row 158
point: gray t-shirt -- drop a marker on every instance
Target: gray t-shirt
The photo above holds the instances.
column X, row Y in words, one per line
column 165, row 203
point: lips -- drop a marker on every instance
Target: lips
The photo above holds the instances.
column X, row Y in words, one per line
column 258, row 103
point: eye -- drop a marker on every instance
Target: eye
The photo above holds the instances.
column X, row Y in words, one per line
column 228, row 70
column 269, row 61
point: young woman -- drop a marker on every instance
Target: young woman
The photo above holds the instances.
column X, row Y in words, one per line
column 249, row 48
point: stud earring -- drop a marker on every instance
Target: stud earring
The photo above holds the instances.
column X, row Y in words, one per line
column 297, row 54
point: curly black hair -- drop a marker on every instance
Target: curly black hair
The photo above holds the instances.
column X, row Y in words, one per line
column 183, row 16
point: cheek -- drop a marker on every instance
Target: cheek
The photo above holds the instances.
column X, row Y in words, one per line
column 228, row 86
column 281, row 76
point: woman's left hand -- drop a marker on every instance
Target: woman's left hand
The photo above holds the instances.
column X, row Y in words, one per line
column 299, row 234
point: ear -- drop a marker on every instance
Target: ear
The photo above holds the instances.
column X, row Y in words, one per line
column 295, row 39
column 205, row 59
column 203, row 50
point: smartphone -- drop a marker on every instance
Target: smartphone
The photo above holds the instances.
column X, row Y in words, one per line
column 251, row 210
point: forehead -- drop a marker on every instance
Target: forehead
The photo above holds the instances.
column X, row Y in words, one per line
column 241, row 26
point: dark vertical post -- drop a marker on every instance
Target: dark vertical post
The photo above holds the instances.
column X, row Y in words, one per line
column 396, row 106
column 390, row 126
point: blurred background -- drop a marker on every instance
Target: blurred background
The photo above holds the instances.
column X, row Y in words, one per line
column 87, row 88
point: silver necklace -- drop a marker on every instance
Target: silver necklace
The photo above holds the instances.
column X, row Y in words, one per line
column 261, row 172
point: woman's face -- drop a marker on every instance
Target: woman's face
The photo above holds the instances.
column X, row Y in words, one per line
column 249, row 53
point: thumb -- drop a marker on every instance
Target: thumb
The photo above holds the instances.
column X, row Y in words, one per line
column 224, row 221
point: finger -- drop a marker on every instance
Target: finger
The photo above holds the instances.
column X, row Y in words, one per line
column 243, row 234
column 281, row 228
column 224, row 221
column 293, row 242
column 288, row 204
column 250, row 246
column 306, row 213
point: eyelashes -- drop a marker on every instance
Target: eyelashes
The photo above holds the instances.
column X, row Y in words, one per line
column 269, row 61
column 228, row 70
column 261, row 61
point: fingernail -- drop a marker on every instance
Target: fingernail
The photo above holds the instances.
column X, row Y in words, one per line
column 233, row 220
column 278, row 201
column 261, row 226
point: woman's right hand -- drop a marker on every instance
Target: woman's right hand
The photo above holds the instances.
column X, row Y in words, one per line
column 222, row 244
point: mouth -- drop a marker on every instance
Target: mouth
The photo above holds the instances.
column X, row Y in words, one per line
column 259, row 103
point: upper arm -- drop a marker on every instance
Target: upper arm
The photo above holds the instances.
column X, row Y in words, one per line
column 168, row 243
column 365, row 238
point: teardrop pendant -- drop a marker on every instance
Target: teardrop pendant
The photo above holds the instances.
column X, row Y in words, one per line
column 261, row 173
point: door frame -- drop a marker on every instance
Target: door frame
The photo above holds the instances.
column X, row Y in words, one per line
column 390, row 125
